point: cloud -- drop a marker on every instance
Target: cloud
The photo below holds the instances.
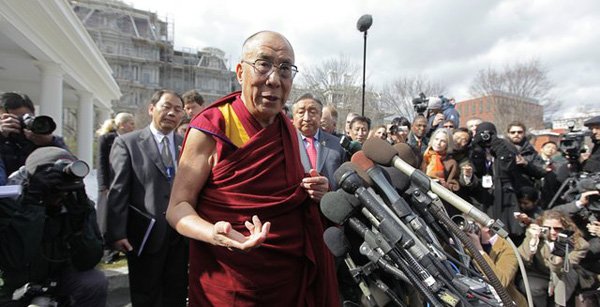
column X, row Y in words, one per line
column 448, row 41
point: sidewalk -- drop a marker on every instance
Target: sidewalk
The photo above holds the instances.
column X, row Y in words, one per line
column 118, row 285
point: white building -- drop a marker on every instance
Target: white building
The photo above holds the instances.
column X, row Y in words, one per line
column 46, row 53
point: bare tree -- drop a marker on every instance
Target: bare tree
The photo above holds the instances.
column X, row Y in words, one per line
column 396, row 98
column 337, row 81
column 527, row 80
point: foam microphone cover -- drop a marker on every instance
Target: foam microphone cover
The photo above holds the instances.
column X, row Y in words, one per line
column 337, row 206
column 380, row 151
column 349, row 166
column 406, row 153
column 336, row 241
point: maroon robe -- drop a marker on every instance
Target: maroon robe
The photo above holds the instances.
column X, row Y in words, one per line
column 292, row 267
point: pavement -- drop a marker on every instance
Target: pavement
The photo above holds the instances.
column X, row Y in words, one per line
column 118, row 277
column 118, row 286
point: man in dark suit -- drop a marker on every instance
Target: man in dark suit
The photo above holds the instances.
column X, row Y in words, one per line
column 321, row 151
column 144, row 163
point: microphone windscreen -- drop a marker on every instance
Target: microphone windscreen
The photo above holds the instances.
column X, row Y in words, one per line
column 336, row 241
column 343, row 169
column 406, row 153
column 398, row 179
column 336, row 207
column 361, row 161
column 380, row 151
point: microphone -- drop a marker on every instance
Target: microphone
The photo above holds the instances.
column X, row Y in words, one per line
column 398, row 204
column 338, row 245
column 383, row 153
column 392, row 228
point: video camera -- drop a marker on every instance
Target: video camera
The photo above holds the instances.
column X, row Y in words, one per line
column 37, row 124
column 572, row 143
column 420, row 103
column 73, row 173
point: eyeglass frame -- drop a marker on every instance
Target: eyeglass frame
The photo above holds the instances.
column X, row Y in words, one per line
column 293, row 68
column 516, row 132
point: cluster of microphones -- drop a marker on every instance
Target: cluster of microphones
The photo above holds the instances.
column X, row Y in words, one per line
column 406, row 238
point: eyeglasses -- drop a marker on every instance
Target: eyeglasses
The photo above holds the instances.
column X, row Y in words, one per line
column 557, row 229
column 266, row 68
column 449, row 126
column 516, row 132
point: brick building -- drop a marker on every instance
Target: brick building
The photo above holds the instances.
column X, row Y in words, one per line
column 501, row 109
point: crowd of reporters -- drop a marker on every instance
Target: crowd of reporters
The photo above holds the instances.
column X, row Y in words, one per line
column 548, row 201
column 502, row 176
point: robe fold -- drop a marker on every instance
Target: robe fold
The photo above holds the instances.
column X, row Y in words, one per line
column 259, row 173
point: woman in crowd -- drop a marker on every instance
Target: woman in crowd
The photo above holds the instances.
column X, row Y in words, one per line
column 378, row 132
column 552, row 246
column 438, row 162
column 111, row 128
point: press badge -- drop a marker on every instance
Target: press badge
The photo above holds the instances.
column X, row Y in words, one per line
column 486, row 181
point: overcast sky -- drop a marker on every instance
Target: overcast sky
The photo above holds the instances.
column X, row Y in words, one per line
column 446, row 41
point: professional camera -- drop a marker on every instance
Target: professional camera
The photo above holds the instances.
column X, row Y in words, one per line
column 420, row 103
column 349, row 145
column 38, row 125
column 572, row 142
column 466, row 225
column 73, row 173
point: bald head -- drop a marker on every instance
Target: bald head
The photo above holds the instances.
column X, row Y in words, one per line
column 258, row 38
column 265, row 73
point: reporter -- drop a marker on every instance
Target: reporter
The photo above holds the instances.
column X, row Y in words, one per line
column 16, row 141
column 551, row 263
column 50, row 234
column 501, row 258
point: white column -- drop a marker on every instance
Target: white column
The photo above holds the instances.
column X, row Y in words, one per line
column 51, row 94
column 85, row 128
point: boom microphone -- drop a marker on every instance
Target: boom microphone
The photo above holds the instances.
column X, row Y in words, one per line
column 383, row 153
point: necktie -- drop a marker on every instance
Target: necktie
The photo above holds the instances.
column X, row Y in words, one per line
column 312, row 152
column 165, row 153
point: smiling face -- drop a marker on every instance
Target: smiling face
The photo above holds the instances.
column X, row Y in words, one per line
column 265, row 94
column 439, row 142
column 166, row 113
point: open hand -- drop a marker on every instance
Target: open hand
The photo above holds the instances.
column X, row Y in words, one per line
column 224, row 235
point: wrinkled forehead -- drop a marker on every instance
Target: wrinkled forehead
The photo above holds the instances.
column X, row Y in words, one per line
column 269, row 46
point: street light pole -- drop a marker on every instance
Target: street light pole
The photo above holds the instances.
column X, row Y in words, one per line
column 363, row 24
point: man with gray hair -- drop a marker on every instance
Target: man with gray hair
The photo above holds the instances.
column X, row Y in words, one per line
column 329, row 120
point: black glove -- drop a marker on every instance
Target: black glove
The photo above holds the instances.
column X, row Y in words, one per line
column 78, row 208
column 43, row 183
column 564, row 244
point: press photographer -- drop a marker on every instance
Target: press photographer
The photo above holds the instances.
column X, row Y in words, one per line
column 494, row 164
column 50, row 239
column 21, row 132
column 552, row 250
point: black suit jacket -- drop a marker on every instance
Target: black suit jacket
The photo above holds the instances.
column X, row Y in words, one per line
column 104, row 175
column 330, row 156
column 140, row 180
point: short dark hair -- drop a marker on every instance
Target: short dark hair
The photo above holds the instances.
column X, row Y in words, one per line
column 158, row 94
column 192, row 96
column 361, row 119
column 401, row 121
column 14, row 100
column 462, row 129
column 516, row 123
column 527, row 192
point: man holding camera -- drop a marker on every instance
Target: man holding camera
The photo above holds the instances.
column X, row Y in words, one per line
column 50, row 237
column 494, row 164
column 21, row 133
column 592, row 164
